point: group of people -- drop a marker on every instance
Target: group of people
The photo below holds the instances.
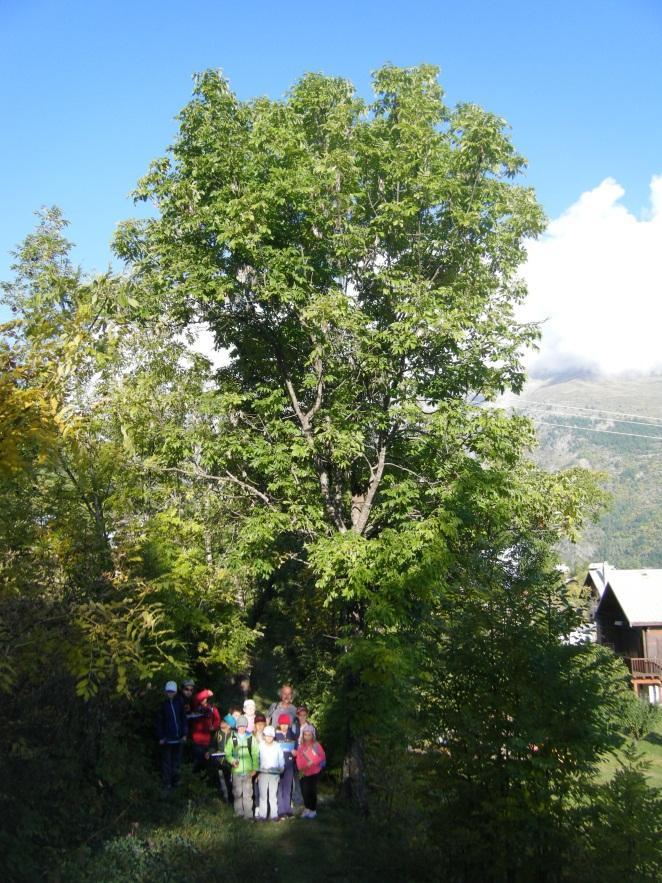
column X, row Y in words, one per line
column 266, row 764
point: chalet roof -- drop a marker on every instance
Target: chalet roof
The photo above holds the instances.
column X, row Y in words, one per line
column 598, row 574
column 639, row 593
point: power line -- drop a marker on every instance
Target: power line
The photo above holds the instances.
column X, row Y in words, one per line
column 608, row 431
column 551, row 410
column 586, row 408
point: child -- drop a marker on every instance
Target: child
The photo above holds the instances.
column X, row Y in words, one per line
column 224, row 736
column 285, row 736
column 258, row 726
column 272, row 764
column 299, row 722
column 186, row 695
column 243, row 756
column 310, row 759
column 204, row 723
column 258, row 733
column 249, row 714
column 302, row 720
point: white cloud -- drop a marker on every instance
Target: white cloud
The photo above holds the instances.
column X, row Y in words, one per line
column 595, row 280
column 200, row 339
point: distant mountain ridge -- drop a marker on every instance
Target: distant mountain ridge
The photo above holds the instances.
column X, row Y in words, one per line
column 614, row 425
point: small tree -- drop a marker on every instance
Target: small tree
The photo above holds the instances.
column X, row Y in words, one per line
column 622, row 826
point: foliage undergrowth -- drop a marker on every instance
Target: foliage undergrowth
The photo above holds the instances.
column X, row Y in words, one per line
column 204, row 841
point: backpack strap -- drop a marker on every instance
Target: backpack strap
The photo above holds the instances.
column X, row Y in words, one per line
column 249, row 744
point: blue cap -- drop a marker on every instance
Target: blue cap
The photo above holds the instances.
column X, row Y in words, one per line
column 230, row 721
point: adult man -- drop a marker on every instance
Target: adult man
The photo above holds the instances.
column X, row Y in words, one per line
column 283, row 706
column 242, row 753
column 276, row 709
column 171, row 731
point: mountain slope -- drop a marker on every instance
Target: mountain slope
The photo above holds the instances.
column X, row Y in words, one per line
column 613, row 425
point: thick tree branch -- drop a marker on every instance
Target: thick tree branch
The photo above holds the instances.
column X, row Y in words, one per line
column 305, row 421
column 227, row 478
column 301, row 417
column 330, row 500
column 93, row 505
column 416, row 475
column 317, row 404
column 377, row 472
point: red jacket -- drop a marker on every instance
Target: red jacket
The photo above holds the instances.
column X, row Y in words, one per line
column 310, row 759
column 202, row 728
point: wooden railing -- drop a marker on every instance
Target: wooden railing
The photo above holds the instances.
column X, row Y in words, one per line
column 645, row 668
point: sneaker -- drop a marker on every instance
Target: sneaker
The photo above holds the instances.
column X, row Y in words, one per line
column 312, row 814
column 305, row 814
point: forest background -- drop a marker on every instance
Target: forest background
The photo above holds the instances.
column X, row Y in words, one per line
column 334, row 505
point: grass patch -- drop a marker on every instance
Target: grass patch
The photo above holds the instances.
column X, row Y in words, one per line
column 650, row 747
column 199, row 839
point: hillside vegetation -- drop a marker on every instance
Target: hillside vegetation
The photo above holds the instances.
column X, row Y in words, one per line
column 629, row 534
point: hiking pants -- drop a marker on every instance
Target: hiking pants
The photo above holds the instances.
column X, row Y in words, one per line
column 285, row 791
column 297, row 797
column 268, row 785
column 225, row 782
column 171, row 762
column 309, row 791
column 242, row 788
column 199, row 760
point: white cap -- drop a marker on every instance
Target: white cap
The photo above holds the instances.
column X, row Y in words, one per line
column 171, row 687
column 249, row 706
column 268, row 731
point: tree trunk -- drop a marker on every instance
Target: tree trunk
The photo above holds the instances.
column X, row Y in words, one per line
column 353, row 774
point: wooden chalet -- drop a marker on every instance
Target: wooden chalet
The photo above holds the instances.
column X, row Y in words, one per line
column 628, row 618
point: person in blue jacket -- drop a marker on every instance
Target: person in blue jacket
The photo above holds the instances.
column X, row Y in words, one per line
column 287, row 739
column 171, row 731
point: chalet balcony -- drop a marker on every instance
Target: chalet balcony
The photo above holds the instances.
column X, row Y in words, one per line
column 642, row 669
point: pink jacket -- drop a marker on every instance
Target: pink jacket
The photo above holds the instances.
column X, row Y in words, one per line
column 310, row 759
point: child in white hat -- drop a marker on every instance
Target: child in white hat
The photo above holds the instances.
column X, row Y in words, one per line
column 272, row 764
column 249, row 714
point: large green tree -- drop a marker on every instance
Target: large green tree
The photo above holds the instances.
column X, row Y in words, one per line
column 358, row 262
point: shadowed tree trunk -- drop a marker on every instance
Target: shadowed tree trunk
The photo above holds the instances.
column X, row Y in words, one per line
column 353, row 774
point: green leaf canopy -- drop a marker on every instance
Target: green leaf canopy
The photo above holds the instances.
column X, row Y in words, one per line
column 358, row 262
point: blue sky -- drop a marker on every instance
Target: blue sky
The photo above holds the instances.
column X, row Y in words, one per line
column 89, row 89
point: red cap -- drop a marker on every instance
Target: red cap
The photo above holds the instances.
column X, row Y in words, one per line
column 284, row 719
column 203, row 694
